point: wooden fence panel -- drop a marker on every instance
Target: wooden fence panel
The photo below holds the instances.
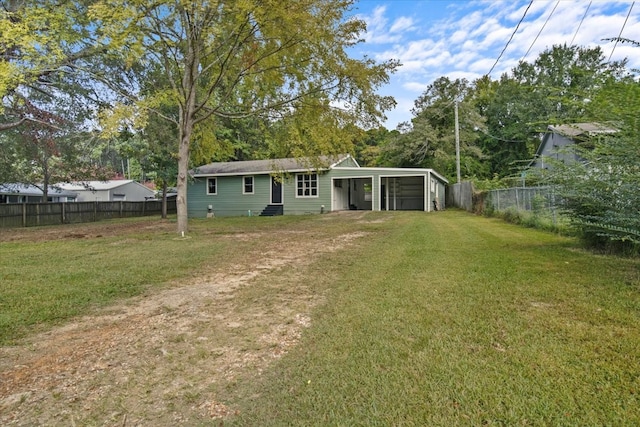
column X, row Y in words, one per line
column 11, row 215
column 39, row 214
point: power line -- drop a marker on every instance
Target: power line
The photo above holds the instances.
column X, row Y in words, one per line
column 580, row 24
column 511, row 38
column 621, row 29
column 478, row 129
column 540, row 32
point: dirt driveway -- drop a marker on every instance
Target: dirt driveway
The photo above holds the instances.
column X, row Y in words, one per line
column 165, row 359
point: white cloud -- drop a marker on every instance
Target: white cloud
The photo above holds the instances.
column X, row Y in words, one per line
column 465, row 40
column 402, row 24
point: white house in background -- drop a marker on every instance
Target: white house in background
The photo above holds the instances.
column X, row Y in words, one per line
column 27, row 193
column 558, row 141
column 109, row 191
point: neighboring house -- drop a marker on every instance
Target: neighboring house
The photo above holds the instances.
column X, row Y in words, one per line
column 295, row 186
column 27, row 193
column 109, row 191
column 557, row 142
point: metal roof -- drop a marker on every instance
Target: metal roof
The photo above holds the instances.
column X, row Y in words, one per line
column 98, row 185
column 269, row 166
column 31, row 190
column 576, row 129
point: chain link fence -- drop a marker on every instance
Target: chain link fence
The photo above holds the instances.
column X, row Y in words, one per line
column 521, row 198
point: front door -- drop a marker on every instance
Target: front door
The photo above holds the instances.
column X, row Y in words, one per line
column 276, row 191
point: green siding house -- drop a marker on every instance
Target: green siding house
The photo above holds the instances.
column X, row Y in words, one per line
column 300, row 186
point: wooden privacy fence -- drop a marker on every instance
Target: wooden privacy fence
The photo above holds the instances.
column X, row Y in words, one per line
column 35, row 214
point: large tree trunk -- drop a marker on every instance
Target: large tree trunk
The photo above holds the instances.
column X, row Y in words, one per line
column 187, row 116
column 183, row 170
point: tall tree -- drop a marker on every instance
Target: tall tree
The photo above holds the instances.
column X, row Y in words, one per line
column 234, row 59
column 429, row 140
column 45, row 45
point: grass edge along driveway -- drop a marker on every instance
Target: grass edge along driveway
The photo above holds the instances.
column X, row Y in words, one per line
column 454, row 319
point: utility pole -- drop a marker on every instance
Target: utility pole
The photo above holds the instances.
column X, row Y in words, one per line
column 457, row 142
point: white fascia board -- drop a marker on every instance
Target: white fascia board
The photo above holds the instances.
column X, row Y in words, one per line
column 342, row 159
column 417, row 171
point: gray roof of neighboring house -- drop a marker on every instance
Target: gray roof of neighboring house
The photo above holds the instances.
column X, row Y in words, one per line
column 99, row 185
column 576, row 129
column 31, row 190
column 268, row 166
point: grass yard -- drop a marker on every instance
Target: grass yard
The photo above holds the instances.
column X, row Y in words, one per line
column 425, row 319
column 452, row 319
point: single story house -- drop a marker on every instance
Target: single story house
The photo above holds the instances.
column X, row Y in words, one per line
column 297, row 186
column 558, row 140
column 109, row 191
column 28, row 193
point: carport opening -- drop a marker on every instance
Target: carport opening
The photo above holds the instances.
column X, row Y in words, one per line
column 402, row 193
column 354, row 194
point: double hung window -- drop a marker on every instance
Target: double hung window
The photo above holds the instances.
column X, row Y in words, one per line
column 212, row 186
column 247, row 185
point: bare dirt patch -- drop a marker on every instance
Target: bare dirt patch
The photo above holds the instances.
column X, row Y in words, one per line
column 162, row 359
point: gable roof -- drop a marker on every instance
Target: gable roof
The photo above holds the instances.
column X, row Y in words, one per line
column 259, row 167
column 586, row 129
column 572, row 131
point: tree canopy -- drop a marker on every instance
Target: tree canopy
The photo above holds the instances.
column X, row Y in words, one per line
column 281, row 60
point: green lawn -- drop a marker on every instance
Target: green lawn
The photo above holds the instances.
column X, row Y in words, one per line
column 452, row 319
column 431, row 319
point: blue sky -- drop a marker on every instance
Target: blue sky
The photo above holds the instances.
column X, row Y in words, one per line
column 463, row 38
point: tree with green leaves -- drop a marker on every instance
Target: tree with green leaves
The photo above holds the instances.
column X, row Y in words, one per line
column 601, row 192
column 429, row 140
column 553, row 89
column 46, row 45
column 241, row 58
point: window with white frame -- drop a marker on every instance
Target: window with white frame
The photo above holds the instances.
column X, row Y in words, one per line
column 247, row 185
column 212, row 185
column 307, row 185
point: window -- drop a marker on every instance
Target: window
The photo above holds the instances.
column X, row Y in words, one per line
column 212, row 185
column 247, row 187
column 307, row 185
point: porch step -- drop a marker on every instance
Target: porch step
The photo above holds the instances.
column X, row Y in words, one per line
column 272, row 210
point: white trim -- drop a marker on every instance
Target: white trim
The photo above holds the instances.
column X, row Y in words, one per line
column 349, row 178
column 400, row 171
column 427, row 192
column 348, row 156
column 253, row 184
column 271, row 192
column 317, row 187
column 207, row 186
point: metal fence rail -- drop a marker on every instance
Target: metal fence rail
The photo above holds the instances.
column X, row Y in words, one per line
column 35, row 214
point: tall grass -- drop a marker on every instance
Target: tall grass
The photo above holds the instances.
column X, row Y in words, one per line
column 451, row 319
